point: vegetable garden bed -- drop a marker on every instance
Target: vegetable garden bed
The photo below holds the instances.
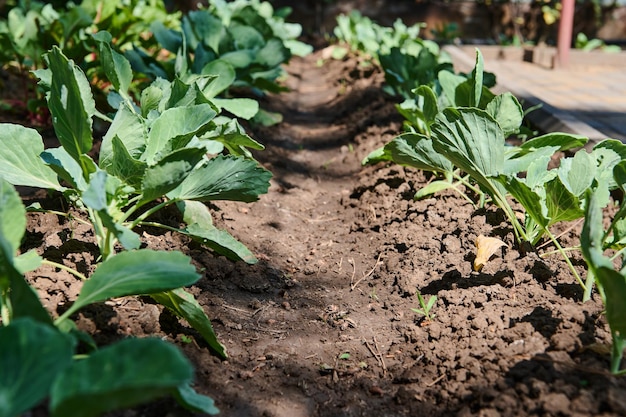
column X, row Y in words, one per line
column 328, row 321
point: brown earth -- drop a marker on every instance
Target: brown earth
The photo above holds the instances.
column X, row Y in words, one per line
column 322, row 325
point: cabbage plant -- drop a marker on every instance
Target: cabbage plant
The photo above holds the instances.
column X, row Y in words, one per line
column 39, row 354
column 155, row 154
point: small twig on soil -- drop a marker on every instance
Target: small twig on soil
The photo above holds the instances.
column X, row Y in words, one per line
column 339, row 265
column 376, row 353
column 335, row 376
column 241, row 310
column 353, row 286
column 261, row 329
column 373, row 217
column 258, row 310
column 351, row 261
column 306, row 220
column 430, row 384
column 382, row 360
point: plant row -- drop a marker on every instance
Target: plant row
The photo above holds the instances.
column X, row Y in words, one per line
column 243, row 42
column 457, row 128
column 170, row 91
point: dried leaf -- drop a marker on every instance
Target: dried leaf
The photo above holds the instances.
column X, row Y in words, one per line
column 487, row 247
column 599, row 348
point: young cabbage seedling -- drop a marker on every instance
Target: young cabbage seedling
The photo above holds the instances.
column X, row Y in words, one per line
column 425, row 306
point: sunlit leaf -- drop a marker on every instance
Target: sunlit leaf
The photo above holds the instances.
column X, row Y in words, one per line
column 612, row 283
column 433, row 188
column 562, row 205
column 20, row 164
column 477, row 80
column 507, row 111
column 134, row 273
column 244, row 108
column 175, row 127
column 225, row 77
column 190, row 399
column 115, row 65
column 71, row 104
column 530, row 199
column 564, row 141
column 130, row 129
column 472, row 140
column 184, row 305
column 169, row 172
column 12, row 215
column 22, row 298
column 200, row 227
column 224, row 178
column 577, row 173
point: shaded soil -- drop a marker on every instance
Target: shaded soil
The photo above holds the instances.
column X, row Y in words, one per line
column 322, row 325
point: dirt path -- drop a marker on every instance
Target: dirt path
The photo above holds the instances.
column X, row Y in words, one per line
column 322, row 325
column 326, row 319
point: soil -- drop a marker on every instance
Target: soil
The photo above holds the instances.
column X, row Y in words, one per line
column 323, row 324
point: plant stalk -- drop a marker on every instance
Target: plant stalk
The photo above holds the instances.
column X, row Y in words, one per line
column 568, row 261
column 65, row 268
column 150, row 212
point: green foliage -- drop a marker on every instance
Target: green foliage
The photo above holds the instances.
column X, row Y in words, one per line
column 245, row 42
column 459, row 129
column 582, row 42
column 425, row 111
column 32, row 28
column 37, row 356
column 426, row 307
column 153, row 155
column 610, row 280
column 408, row 60
column 129, row 21
column 405, row 71
column 360, row 33
column 446, row 32
column 464, row 137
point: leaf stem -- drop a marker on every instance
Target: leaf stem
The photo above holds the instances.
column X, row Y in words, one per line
column 566, row 258
column 463, row 180
column 553, row 252
column 162, row 226
column 5, row 309
column 101, row 233
column 65, row 268
column 103, row 116
column 69, row 216
column 151, row 211
column 618, row 253
column 520, row 233
column 64, row 316
column 589, row 285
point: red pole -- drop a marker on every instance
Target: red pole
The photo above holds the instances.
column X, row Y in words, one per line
column 566, row 25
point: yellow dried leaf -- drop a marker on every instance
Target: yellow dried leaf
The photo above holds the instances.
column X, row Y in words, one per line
column 486, row 248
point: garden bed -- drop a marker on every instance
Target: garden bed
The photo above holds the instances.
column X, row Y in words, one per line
column 323, row 324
